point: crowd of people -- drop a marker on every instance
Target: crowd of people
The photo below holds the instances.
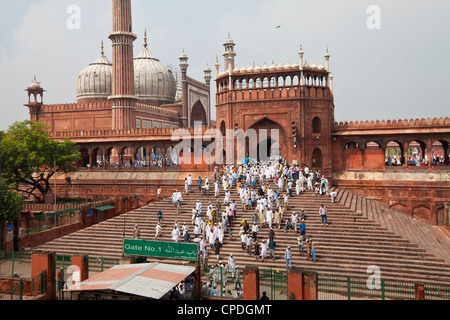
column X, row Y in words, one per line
column 265, row 189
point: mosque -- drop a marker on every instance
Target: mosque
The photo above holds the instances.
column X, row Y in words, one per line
column 128, row 109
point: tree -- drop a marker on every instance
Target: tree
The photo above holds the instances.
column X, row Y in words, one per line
column 29, row 155
column 10, row 202
column 10, row 207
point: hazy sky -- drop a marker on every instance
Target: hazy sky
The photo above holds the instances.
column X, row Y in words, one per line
column 400, row 70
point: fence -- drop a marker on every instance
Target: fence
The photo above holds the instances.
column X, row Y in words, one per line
column 274, row 283
column 221, row 282
column 42, row 222
column 21, row 289
column 336, row 287
column 15, row 267
column 15, row 264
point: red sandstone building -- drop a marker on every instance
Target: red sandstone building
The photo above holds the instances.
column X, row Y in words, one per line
column 127, row 111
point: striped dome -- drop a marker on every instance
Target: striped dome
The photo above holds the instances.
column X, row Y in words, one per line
column 95, row 81
column 153, row 81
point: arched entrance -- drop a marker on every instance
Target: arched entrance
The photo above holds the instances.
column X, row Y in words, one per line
column 268, row 150
column 198, row 114
column 270, row 141
column 317, row 158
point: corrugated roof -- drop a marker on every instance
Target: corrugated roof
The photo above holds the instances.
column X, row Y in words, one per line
column 151, row 280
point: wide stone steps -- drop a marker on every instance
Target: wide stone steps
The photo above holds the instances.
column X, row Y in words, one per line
column 353, row 241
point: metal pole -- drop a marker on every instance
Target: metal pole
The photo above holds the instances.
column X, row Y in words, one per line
column 54, row 167
column 12, row 265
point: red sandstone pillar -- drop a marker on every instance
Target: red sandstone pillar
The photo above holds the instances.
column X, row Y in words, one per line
column 123, row 90
column 79, row 264
column 295, row 284
column 309, row 286
column 419, row 291
column 44, row 262
column 251, row 283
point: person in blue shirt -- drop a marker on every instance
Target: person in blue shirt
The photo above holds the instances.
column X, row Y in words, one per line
column 160, row 214
column 302, row 228
column 187, row 236
column 200, row 181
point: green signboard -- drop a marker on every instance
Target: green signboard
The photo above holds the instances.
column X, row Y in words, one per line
column 174, row 250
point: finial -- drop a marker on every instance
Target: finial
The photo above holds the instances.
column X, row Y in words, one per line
column 145, row 38
column 327, row 55
column 102, row 50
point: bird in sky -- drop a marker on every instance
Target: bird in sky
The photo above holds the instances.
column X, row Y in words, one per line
column 278, row 27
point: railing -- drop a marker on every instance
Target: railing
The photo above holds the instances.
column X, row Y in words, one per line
column 221, row 282
column 42, row 222
column 15, row 264
column 338, row 287
column 274, row 283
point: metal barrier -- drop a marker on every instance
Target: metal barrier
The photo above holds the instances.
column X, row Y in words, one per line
column 437, row 292
column 42, row 222
column 15, row 264
column 221, row 282
column 17, row 291
column 274, row 283
column 337, row 287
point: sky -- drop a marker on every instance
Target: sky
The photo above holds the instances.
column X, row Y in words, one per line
column 389, row 59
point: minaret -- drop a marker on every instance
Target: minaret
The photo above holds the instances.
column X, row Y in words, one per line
column 35, row 99
column 123, row 92
column 217, row 65
column 327, row 59
column 229, row 54
column 208, row 76
column 329, row 77
column 301, row 54
column 184, row 85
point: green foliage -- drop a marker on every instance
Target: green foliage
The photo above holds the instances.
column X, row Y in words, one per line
column 28, row 155
column 10, row 202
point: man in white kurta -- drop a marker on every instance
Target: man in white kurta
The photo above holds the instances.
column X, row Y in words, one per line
column 175, row 234
column 264, row 248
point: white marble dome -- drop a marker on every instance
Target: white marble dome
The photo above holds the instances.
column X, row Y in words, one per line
column 153, row 81
column 95, row 81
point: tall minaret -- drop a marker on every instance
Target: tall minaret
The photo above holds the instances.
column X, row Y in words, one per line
column 123, row 92
column 184, row 84
column 229, row 54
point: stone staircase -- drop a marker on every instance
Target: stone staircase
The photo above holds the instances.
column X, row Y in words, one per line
column 361, row 233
